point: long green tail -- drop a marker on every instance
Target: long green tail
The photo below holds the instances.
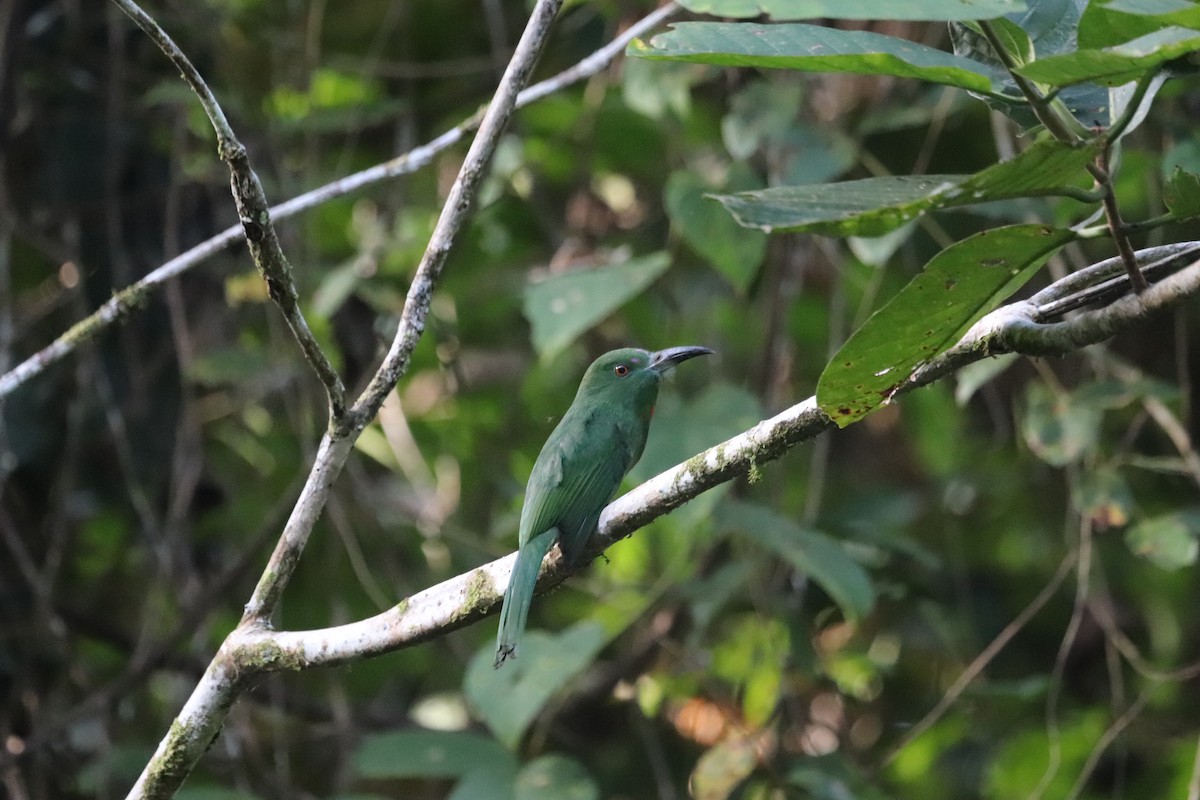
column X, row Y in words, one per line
column 519, row 594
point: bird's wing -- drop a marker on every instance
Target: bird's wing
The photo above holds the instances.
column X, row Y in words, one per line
column 575, row 476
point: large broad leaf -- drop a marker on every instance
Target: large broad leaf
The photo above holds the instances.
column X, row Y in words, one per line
column 820, row 557
column 735, row 251
column 813, row 48
column 1115, row 65
column 782, row 10
column 957, row 287
column 561, row 307
column 510, row 698
column 874, row 206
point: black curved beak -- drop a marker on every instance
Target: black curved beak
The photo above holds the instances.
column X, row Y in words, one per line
column 663, row 360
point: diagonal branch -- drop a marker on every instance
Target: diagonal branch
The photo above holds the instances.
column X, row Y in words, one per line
column 468, row 597
column 199, row 721
column 126, row 300
column 253, row 212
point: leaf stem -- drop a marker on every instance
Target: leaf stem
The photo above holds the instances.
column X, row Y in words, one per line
column 1059, row 129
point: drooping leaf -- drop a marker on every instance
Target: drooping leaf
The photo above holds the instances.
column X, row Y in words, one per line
column 1117, row 64
column 1171, row 541
column 561, row 307
column 812, row 48
column 711, row 232
column 1047, row 28
column 874, row 206
column 785, row 10
column 509, row 699
column 820, row 557
column 956, row 288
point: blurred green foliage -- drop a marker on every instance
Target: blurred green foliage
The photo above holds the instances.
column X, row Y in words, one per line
column 780, row 636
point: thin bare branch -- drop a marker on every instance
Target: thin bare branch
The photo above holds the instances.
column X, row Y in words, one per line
column 205, row 710
column 132, row 297
column 253, row 212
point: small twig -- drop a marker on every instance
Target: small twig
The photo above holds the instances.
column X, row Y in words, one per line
column 131, row 297
column 1112, row 214
column 981, row 661
column 253, row 212
column 237, row 661
column 1116, row 729
column 1037, row 103
column 1059, row 129
column 1054, row 692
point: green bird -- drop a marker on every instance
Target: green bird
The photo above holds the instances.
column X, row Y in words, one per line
column 598, row 440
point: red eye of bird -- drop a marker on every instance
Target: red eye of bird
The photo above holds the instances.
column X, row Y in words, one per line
column 620, row 370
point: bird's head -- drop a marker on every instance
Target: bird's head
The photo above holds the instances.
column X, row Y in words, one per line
column 634, row 373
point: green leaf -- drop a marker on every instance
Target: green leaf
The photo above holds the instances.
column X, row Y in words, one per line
column 555, row 777
column 820, row 557
column 1114, row 65
column 761, row 113
column 1058, row 430
column 735, row 251
column 874, row 206
column 1182, row 194
column 1049, row 28
column 432, row 754
column 509, row 699
column 1170, row 540
column 561, row 307
column 1106, row 24
column 783, row 10
column 812, row 48
column 957, row 287
column 974, row 377
column 723, row 767
column 1102, row 496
